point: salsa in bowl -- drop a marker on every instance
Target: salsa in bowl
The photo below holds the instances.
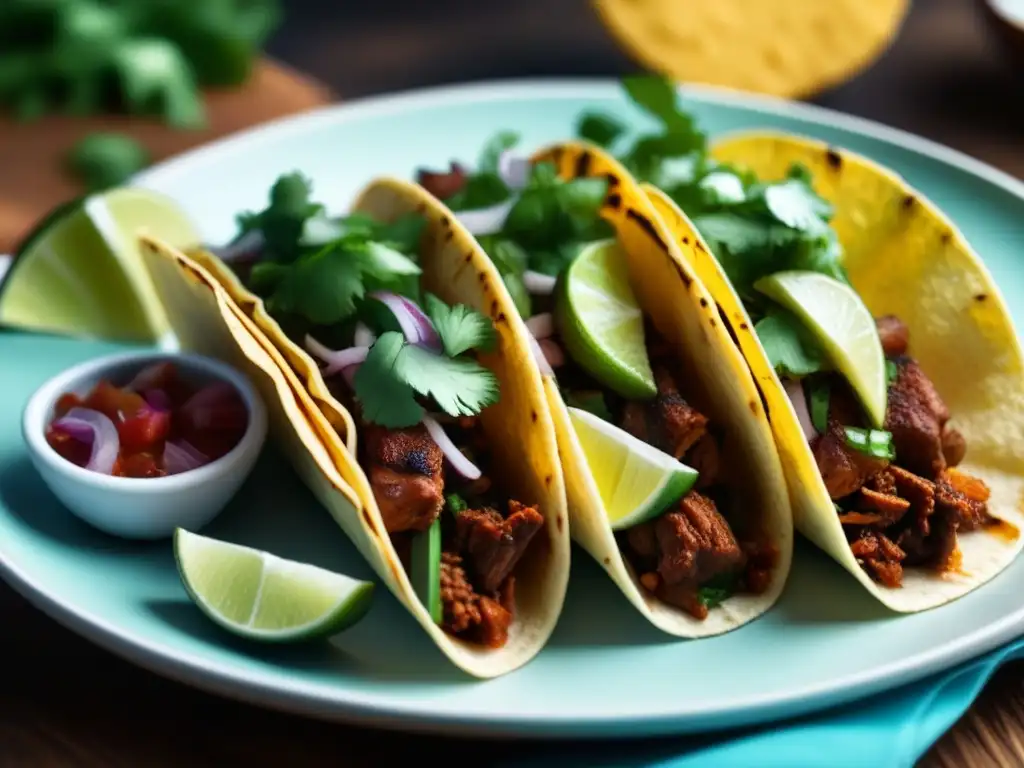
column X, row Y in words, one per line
column 138, row 444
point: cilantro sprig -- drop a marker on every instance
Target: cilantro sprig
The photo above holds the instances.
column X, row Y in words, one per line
column 318, row 269
column 754, row 228
column 396, row 373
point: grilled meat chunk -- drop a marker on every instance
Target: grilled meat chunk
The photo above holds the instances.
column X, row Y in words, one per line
column 442, row 184
column 667, row 422
column 916, row 416
column 880, row 557
column 492, row 545
column 843, row 468
column 894, row 335
column 481, row 618
column 406, row 477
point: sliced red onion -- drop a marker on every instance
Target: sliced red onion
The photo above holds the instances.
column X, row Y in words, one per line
column 103, row 436
column 245, row 248
column 552, row 352
column 181, row 456
column 336, row 360
column 364, row 337
column 415, row 325
column 455, row 457
column 538, row 356
column 485, row 221
column 514, row 169
column 542, row 326
column 538, row 283
column 157, row 399
column 795, row 390
column 202, row 406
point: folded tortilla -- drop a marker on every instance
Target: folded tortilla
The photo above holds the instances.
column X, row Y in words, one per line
column 206, row 304
column 719, row 384
column 903, row 257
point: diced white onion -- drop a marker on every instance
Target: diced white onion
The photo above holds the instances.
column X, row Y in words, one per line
column 538, row 283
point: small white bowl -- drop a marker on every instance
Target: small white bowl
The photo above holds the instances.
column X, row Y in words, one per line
column 143, row 508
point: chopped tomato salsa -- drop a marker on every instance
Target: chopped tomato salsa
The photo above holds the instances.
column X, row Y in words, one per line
column 157, row 424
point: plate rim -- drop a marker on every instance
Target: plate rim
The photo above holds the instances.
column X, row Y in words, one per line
column 340, row 703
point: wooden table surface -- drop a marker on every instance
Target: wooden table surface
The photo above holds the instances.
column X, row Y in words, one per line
column 64, row 702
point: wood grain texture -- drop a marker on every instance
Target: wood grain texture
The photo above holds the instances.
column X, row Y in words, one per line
column 33, row 180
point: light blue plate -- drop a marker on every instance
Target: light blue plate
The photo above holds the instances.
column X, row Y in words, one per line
column 605, row 672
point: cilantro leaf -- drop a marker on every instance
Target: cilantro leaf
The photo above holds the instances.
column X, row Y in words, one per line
column 657, row 96
column 384, row 396
column 488, row 162
column 796, row 205
column 103, row 160
column 788, row 346
column 394, row 371
column 600, row 129
column 155, row 77
column 382, row 262
column 283, row 221
column 403, row 234
column 517, row 290
column 460, row 387
column 460, row 327
column 322, row 287
column 480, row 191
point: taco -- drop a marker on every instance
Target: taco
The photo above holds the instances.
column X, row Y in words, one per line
column 426, row 410
column 888, row 361
column 674, row 483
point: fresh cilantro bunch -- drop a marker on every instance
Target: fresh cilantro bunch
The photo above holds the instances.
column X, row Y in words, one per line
column 317, row 270
column 485, row 187
column 397, row 373
column 754, row 228
column 548, row 223
column 316, row 273
column 135, row 56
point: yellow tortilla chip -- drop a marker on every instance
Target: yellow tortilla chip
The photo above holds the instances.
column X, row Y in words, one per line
column 788, row 48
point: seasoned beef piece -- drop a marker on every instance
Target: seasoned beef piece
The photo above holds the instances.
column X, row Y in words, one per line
column 443, row 185
column 495, row 620
column 895, row 336
column 667, row 422
column 644, row 545
column 970, row 513
column 460, row 603
column 921, row 495
column 406, row 477
column 705, row 457
column 761, row 560
column 695, row 542
column 882, row 482
column 844, row 469
column 684, row 595
column 889, row 508
column 915, row 417
column 476, row 617
column 882, row 559
column 492, row 546
column 954, row 447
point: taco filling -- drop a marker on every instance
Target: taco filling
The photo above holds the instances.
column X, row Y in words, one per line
column 878, row 429
column 404, row 363
column 690, row 549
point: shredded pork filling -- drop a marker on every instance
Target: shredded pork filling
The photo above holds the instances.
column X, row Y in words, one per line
column 482, row 545
column 905, row 513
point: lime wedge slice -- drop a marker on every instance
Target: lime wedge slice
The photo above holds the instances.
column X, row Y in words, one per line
column 844, row 327
column 637, row 482
column 601, row 323
column 262, row 597
column 79, row 272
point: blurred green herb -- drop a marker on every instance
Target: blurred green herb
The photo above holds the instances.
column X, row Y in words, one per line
column 140, row 57
column 102, row 160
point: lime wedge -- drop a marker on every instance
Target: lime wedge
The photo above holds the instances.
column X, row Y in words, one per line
column 262, row 597
column 79, row 272
column 637, row 482
column 844, row 327
column 601, row 323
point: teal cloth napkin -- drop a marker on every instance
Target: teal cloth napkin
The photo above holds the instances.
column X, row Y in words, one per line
column 891, row 730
